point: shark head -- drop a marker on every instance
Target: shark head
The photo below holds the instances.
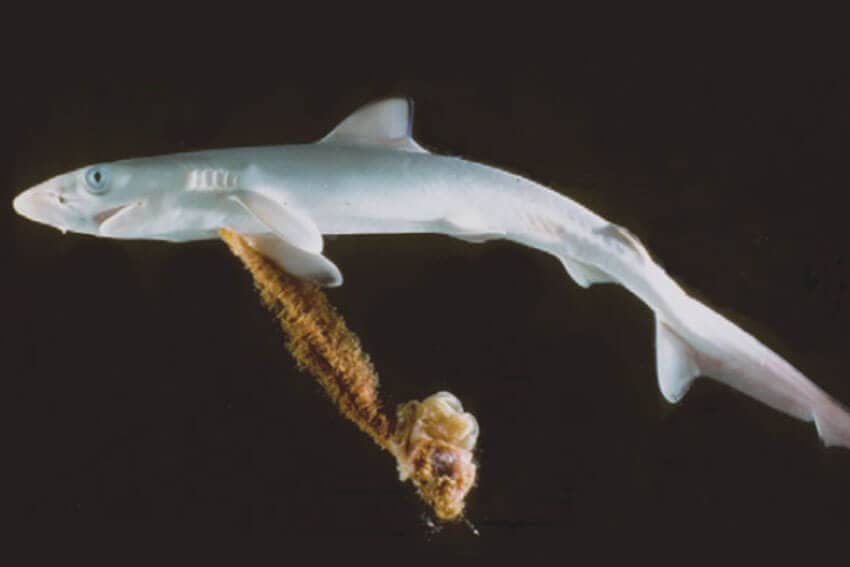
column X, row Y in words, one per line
column 140, row 198
column 90, row 200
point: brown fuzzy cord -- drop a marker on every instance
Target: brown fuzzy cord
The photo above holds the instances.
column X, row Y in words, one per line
column 432, row 440
column 319, row 341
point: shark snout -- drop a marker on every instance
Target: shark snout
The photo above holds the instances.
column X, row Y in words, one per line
column 56, row 203
column 52, row 204
column 43, row 205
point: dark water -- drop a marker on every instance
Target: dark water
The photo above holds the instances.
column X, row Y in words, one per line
column 153, row 409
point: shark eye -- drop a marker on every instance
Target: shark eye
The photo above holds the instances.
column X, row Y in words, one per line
column 97, row 179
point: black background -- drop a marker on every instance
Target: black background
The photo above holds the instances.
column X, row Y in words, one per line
column 153, row 411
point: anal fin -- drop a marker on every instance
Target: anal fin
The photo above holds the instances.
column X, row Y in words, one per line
column 676, row 363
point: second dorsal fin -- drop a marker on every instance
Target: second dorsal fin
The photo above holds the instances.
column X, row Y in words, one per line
column 385, row 123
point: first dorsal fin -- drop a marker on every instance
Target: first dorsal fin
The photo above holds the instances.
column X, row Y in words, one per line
column 386, row 123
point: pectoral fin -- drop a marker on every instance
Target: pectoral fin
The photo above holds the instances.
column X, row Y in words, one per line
column 297, row 261
column 292, row 226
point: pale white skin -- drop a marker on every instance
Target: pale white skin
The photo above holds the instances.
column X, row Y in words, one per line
column 369, row 176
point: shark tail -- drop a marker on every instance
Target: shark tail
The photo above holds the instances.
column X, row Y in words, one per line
column 692, row 341
column 698, row 341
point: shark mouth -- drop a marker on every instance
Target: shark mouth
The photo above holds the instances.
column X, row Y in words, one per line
column 107, row 214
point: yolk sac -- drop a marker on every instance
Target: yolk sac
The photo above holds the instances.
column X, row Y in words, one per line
column 433, row 444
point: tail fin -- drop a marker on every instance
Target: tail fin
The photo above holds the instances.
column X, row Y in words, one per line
column 693, row 340
column 833, row 423
column 703, row 343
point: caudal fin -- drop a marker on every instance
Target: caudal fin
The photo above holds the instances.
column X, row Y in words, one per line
column 692, row 340
column 833, row 423
column 703, row 343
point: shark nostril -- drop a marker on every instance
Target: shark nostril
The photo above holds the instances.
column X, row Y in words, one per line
column 56, row 197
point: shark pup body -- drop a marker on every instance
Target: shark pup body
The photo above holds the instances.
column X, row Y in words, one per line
column 369, row 176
